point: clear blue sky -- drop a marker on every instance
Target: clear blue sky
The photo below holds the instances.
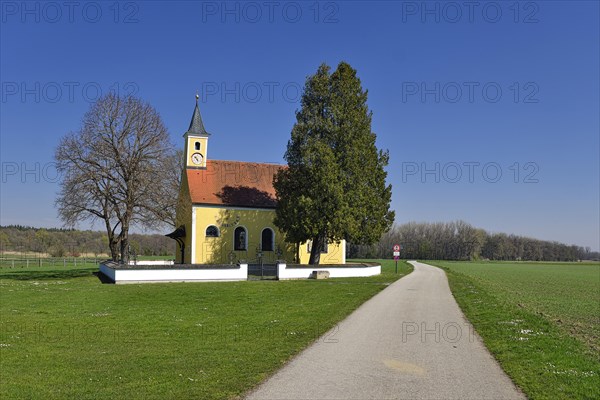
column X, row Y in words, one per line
column 477, row 89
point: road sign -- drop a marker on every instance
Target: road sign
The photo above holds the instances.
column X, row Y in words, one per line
column 396, row 249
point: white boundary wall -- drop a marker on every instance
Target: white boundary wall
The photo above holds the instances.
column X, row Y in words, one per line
column 175, row 275
column 283, row 272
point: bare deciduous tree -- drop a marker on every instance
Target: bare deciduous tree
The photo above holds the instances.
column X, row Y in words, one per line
column 168, row 201
column 115, row 169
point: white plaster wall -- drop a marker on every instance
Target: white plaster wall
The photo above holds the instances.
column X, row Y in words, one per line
column 109, row 272
column 175, row 275
column 346, row 272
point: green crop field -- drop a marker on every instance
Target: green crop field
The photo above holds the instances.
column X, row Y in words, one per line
column 540, row 320
column 63, row 334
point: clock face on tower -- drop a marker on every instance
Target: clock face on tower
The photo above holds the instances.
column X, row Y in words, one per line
column 197, row 158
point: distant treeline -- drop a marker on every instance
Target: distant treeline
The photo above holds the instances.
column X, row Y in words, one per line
column 431, row 241
column 461, row 241
column 58, row 242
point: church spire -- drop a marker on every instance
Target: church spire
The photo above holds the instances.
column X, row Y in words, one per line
column 196, row 125
column 196, row 141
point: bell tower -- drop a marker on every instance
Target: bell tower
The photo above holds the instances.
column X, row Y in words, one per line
column 196, row 141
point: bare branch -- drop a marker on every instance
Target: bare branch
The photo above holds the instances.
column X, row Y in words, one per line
column 115, row 168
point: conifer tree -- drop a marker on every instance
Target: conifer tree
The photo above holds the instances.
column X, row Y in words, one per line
column 334, row 187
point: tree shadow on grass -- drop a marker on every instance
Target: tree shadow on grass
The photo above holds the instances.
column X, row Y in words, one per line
column 52, row 274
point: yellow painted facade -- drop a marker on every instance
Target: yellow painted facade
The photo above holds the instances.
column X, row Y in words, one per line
column 218, row 244
column 196, row 149
column 184, row 218
column 221, row 249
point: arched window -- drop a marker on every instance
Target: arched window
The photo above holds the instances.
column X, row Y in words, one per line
column 267, row 242
column 197, row 145
column 212, row 231
column 240, row 239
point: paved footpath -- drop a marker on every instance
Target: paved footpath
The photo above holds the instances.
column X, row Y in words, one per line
column 410, row 341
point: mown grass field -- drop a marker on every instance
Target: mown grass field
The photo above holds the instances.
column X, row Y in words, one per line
column 540, row 320
column 63, row 334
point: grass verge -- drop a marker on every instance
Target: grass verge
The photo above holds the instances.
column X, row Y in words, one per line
column 525, row 314
column 63, row 334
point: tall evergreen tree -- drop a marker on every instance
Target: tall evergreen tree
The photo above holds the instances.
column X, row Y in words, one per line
column 334, row 187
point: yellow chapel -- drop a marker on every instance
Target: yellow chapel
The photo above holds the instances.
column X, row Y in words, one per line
column 226, row 210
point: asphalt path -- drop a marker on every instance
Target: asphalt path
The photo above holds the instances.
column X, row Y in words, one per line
column 410, row 341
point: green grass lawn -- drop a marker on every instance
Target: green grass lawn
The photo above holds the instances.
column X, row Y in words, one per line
column 541, row 321
column 63, row 334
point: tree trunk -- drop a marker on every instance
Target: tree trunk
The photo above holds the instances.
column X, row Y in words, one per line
column 315, row 251
column 112, row 242
column 114, row 252
column 125, row 248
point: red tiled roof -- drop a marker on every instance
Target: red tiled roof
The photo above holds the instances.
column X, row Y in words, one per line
column 233, row 183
